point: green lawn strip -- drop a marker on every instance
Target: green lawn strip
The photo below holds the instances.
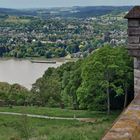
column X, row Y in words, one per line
column 56, row 112
column 42, row 129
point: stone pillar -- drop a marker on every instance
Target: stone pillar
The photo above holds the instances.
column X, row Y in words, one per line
column 134, row 43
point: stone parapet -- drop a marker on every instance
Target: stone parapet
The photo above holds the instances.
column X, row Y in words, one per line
column 128, row 125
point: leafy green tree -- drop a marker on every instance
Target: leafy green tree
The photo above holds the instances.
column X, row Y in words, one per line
column 71, row 82
column 125, row 72
column 99, row 76
column 49, row 87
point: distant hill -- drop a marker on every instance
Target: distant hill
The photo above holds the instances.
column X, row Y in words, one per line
column 77, row 12
column 98, row 11
column 17, row 12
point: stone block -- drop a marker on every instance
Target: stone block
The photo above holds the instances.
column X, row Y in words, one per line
column 137, row 87
column 134, row 31
column 134, row 53
column 133, row 39
column 137, row 92
column 133, row 23
column 137, row 74
column 132, row 46
column 136, row 63
column 135, row 81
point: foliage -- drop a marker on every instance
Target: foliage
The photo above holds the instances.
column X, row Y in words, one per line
column 14, row 94
column 97, row 82
column 92, row 83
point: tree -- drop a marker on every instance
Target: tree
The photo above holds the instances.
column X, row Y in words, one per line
column 71, row 82
column 48, row 87
column 125, row 72
column 99, row 76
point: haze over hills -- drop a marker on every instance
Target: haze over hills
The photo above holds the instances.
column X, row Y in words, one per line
column 77, row 11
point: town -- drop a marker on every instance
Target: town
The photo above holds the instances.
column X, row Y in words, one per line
column 54, row 37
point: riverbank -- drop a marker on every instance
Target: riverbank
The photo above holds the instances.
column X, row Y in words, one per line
column 61, row 59
column 23, row 71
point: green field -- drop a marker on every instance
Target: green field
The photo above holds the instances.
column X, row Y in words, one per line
column 16, row 127
column 14, row 19
column 54, row 112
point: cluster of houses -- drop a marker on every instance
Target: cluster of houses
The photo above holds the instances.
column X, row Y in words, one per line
column 64, row 30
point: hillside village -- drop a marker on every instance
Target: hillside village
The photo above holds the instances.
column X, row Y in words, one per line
column 59, row 37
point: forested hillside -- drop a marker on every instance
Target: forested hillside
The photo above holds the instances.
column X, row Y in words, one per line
column 98, row 82
column 102, row 81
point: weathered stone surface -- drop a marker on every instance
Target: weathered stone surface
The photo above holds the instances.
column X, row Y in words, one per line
column 133, row 39
column 133, row 31
column 133, row 23
column 134, row 53
column 136, row 101
column 128, row 125
column 137, row 73
column 137, row 91
column 137, row 82
column 133, row 46
column 136, row 63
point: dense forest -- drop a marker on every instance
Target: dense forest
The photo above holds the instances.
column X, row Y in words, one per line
column 101, row 81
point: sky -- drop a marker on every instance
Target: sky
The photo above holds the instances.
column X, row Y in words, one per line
column 63, row 3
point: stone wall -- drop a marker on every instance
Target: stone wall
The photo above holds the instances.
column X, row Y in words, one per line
column 137, row 76
column 128, row 125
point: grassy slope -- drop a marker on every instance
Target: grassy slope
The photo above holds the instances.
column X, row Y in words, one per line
column 55, row 112
column 55, row 129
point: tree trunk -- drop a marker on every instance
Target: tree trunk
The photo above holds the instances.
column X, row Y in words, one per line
column 108, row 101
column 75, row 102
column 125, row 98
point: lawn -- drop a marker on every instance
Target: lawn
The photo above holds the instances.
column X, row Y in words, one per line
column 18, row 127
column 55, row 112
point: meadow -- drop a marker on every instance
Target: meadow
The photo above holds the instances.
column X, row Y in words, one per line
column 25, row 128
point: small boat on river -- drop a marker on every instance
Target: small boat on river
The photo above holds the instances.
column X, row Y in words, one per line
column 40, row 61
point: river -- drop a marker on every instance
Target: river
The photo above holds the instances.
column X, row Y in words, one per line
column 23, row 72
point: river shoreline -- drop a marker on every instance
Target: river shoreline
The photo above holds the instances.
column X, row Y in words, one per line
column 62, row 59
column 23, row 71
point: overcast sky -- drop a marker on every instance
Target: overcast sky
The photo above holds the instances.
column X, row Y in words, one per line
column 63, row 3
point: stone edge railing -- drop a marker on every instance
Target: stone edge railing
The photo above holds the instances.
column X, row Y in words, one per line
column 128, row 125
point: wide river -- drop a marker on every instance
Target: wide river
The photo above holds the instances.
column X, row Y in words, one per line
column 23, row 72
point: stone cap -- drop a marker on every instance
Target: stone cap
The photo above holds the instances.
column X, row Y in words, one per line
column 134, row 13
